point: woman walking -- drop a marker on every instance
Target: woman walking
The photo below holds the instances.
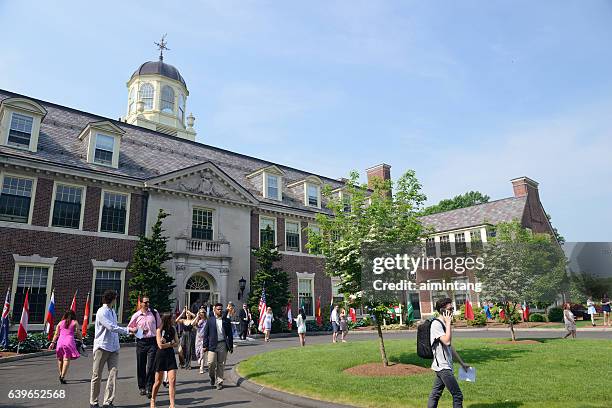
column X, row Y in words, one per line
column 165, row 360
column 343, row 325
column 186, row 319
column 200, row 326
column 570, row 321
column 605, row 307
column 65, row 346
column 267, row 324
column 591, row 309
column 301, row 326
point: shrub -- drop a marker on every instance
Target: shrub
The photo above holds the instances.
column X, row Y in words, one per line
column 516, row 317
column 480, row 318
column 311, row 326
column 555, row 314
column 537, row 317
column 33, row 343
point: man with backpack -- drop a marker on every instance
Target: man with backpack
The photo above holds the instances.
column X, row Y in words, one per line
column 147, row 319
column 434, row 341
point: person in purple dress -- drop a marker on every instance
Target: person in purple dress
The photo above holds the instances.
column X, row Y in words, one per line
column 64, row 342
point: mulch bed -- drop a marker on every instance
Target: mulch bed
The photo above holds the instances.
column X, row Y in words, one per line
column 7, row 354
column 517, row 342
column 393, row 369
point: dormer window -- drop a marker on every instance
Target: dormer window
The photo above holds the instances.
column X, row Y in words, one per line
column 146, row 94
column 20, row 123
column 20, row 131
column 272, row 186
column 103, row 143
column 270, row 180
column 105, row 147
column 313, row 195
column 167, row 99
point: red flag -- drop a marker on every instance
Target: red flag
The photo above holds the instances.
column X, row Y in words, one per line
column 49, row 320
column 289, row 316
column 73, row 305
column 525, row 312
column 138, row 304
column 318, row 312
column 502, row 314
column 86, row 317
column 22, row 333
column 353, row 314
column 469, row 312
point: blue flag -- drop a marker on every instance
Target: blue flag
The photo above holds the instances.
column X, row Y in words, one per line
column 4, row 328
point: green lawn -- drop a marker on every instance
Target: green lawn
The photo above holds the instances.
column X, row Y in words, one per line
column 555, row 373
column 583, row 323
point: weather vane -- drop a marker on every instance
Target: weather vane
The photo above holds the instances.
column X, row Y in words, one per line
column 161, row 46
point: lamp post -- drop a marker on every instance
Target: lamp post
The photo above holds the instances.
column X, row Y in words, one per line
column 242, row 285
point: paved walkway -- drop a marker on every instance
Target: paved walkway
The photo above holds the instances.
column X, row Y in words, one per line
column 193, row 389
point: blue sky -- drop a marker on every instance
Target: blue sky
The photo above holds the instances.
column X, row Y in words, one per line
column 469, row 94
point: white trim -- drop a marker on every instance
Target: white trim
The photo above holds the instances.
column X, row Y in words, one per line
column 127, row 211
column 299, row 224
column 60, row 230
column 83, row 201
column 279, row 186
column 259, row 228
column 306, row 197
column 32, row 195
column 35, row 261
column 214, row 220
column 309, row 277
column 93, row 285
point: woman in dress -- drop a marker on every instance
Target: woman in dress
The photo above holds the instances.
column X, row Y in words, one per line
column 267, row 324
column 343, row 325
column 591, row 309
column 301, row 326
column 167, row 340
column 186, row 319
column 605, row 308
column 65, row 344
column 200, row 326
column 570, row 322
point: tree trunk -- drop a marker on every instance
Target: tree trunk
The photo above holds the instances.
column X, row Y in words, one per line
column 381, row 342
column 512, row 331
column 509, row 317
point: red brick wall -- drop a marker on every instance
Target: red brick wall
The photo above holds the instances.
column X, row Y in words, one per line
column 91, row 215
column 42, row 202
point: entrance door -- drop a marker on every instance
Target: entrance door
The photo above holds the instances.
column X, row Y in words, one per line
column 416, row 305
column 198, row 292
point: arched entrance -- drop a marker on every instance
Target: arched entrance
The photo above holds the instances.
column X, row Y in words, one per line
column 200, row 290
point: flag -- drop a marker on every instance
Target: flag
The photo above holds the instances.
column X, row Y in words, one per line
column 289, row 316
column 469, row 312
column 177, row 309
column 4, row 329
column 86, row 317
column 353, row 314
column 73, row 305
column 262, row 310
column 318, row 312
column 525, row 312
column 487, row 310
column 22, row 333
column 502, row 314
column 138, row 304
column 409, row 312
column 50, row 318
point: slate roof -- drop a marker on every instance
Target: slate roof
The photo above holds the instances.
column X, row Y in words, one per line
column 145, row 153
column 160, row 68
column 503, row 210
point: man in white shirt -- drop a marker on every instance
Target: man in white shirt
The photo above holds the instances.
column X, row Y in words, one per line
column 440, row 339
column 334, row 318
column 106, row 350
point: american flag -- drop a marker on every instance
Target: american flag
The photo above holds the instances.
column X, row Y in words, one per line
column 262, row 309
column 4, row 329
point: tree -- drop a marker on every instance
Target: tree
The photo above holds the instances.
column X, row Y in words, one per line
column 273, row 278
column 461, row 201
column 149, row 276
column 520, row 266
column 370, row 219
column 560, row 238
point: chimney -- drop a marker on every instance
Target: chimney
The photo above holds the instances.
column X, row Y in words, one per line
column 524, row 186
column 381, row 171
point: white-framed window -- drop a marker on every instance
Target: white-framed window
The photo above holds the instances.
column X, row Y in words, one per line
column 16, row 195
column 114, row 212
column 146, row 95
column 460, row 245
column 338, row 298
column 20, row 130
column 313, row 195
column 293, row 236
column 346, row 202
column 460, row 296
column 475, row 240
column 104, row 149
column 430, row 247
column 132, row 101
column 167, row 99
column 181, row 106
column 104, row 279
column 306, row 299
column 68, row 206
column 265, row 234
column 272, row 186
column 36, row 278
column 445, row 245
column 202, row 224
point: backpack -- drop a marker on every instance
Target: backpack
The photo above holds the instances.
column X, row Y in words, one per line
column 424, row 347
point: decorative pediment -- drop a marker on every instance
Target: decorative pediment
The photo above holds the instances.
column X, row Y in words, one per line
column 104, row 126
column 310, row 179
column 272, row 169
column 24, row 105
column 203, row 180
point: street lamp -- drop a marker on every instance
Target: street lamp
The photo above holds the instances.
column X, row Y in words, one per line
column 242, row 285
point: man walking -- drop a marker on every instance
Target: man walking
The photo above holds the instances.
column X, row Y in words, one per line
column 106, row 350
column 148, row 320
column 245, row 318
column 218, row 340
column 334, row 318
column 440, row 339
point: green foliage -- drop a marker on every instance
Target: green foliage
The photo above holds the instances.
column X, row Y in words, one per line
column 555, row 314
column 149, row 276
column 461, row 201
column 560, row 238
column 33, row 343
column 537, row 317
column 273, row 278
column 516, row 316
column 480, row 317
column 311, row 326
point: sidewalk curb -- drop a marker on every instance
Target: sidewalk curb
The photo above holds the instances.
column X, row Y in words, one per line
column 291, row 399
